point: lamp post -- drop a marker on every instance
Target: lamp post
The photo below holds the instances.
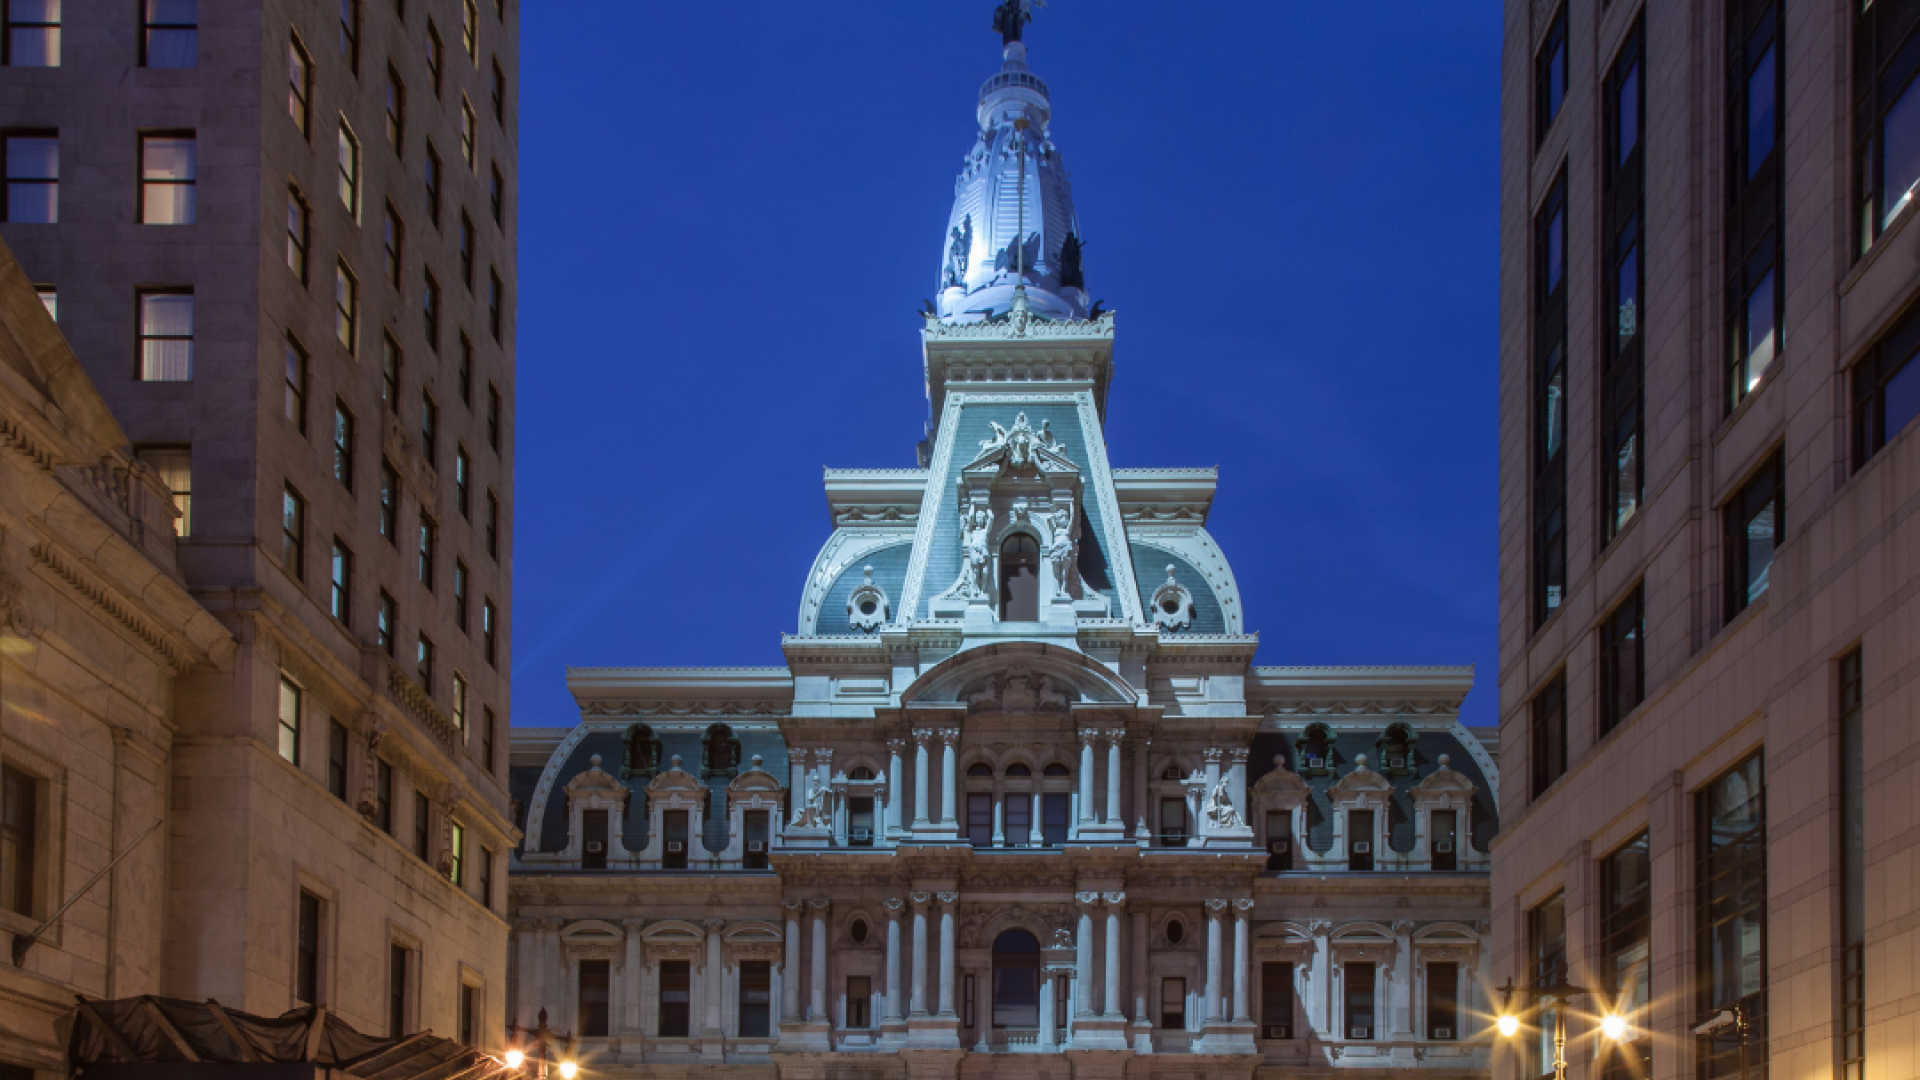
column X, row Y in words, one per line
column 1612, row 1025
column 538, row 1044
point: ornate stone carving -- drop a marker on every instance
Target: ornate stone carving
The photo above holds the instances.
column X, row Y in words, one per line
column 919, row 899
column 1017, row 690
column 1215, row 906
column 1243, row 907
column 1115, row 899
column 1220, row 809
column 867, row 606
column 1086, row 899
column 820, row 905
column 975, row 580
column 1172, row 604
column 947, row 899
column 894, row 906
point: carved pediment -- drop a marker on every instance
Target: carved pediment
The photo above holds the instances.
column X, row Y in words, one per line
column 754, row 778
column 1357, row 785
column 1441, row 783
column 674, row 778
column 1017, row 690
column 595, row 782
column 1282, row 785
column 1021, row 449
column 1052, row 678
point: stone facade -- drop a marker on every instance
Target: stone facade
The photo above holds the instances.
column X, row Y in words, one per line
column 1760, row 904
column 1019, row 803
column 393, row 782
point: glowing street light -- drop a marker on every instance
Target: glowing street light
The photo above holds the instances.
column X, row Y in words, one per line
column 1509, row 1025
column 515, row 1058
column 538, row 1044
column 1612, row 1026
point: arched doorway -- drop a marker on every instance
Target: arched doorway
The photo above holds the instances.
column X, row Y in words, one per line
column 1020, row 579
column 1016, row 980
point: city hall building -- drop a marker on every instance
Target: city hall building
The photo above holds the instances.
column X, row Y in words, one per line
column 1019, row 803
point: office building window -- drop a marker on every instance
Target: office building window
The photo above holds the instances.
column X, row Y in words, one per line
column 166, row 336
column 756, row 999
column 343, row 425
column 33, row 177
column 1173, row 1004
column 1623, row 660
column 1755, row 283
column 462, row 481
column 497, row 194
column 487, row 722
column 293, row 391
column 393, row 238
column 1626, row 920
column 390, row 361
column 1886, row 115
column 1359, row 999
column 1752, row 525
column 1622, row 184
column 1443, row 1001
column 299, row 84
column 399, row 963
column 493, row 415
column 299, row 229
column 19, row 840
column 467, row 132
column 33, row 33
column 291, row 708
column 493, row 525
column 337, row 759
column 423, row 663
column 1886, row 385
column 383, row 795
column 1550, row 403
column 1550, row 76
column 174, row 466
column 436, row 56
column 387, row 623
column 349, row 169
column 432, row 176
column 980, row 819
column 430, row 310
column 495, row 301
column 456, row 853
column 1853, row 869
column 422, row 827
column 306, row 963
column 676, row 984
column 497, row 90
column 350, row 34
column 1548, row 734
column 1276, row 1000
column 470, row 31
column 429, row 428
column 460, row 594
column 293, row 530
column 167, row 178
column 169, row 33
column 1547, row 953
column 346, row 307
column 486, row 876
column 429, row 537
column 469, row 1015
column 488, row 621
column 458, row 693
column 1730, row 916
column 389, row 501
column 465, row 371
column 49, row 299
column 396, row 112
column 466, row 250
column 340, row 581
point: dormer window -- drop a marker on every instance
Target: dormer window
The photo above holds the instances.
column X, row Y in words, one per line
column 1396, row 750
column 642, row 752
column 720, row 752
column 1316, row 755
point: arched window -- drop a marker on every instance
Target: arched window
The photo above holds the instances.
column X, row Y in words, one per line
column 860, row 772
column 979, row 768
column 642, row 752
column 1057, row 769
column 1016, row 980
column 1020, row 579
column 1017, row 769
column 1315, row 755
column 721, row 751
column 1396, row 750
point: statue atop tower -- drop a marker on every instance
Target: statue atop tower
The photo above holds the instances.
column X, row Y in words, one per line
column 1010, row 18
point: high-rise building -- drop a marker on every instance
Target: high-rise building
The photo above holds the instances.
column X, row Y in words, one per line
column 280, row 239
column 1709, row 565
column 1019, row 791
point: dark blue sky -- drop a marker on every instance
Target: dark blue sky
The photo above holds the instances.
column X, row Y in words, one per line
column 731, row 212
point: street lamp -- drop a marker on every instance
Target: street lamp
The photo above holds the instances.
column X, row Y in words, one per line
column 1612, row 1025
column 538, row 1044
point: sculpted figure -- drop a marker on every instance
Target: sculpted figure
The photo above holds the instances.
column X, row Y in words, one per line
column 976, row 522
column 1220, row 808
column 1062, row 549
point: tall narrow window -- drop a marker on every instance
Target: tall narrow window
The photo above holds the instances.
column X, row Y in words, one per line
column 457, row 696
column 337, row 759
column 676, row 998
column 293, row 530
column 422, row 827
column 466, row 250
column 19, row 840
column 430, row 310
column 1445, row 841
column 393, row 238
column 1755, row 283
column 33, row 178
column 460, row 576
column 340, row 581
column 390, row 362
column 432, row 175
column 1359, row 999
column 1622, row 183
column 1886, row 115
column 306, row 956
column 674, row 827
column 350, row 34
column 1752, row 525
column 593, row 840
column 429, row 536
column 465, row 372
column 174, row 466
column 1276, row 1000
column 166, row 336
column 497, row 195
column 492, row 523
column 387, row 623
column 299, row 85
column 859, row 831
column 470, row 31
column 1886, row 386
column 489, row 622
column 1853, row 869
column 493, row 415
column 859, row 1002
column 496, row 301
column 346, row 308
column 429, row 428
column 487, row 723
column 1730, row 916
column 342, row 444
column 1623, row 661
column 348, row 160
column 167, row 178
column 1550, row 76
column 389, row 501
column 462, row 481
column 169, row 33
column 396, row 111
column 291, row 708
column 467, row 132
column 1360, row 840
column 485, row 866
column 1443, row 1001
column 397, row 967
column 293, row 391
column 1173, row 1004
column 469, row 1019
column 1547, row 952
column 497, row 90
column 456, row 853
column 423, row 663
column 1550, row 403
column 1548, row 734
column 980, row 819
column 1626, row 920
column 383, row 795
column 1053, row 819
column 298, row 231
column 436, row 56
column 1019, row 819
column 33, row 33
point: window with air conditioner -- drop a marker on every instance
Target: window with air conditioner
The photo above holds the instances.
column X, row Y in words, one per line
column 1360, row 840
column 674, row 825
column 1276, row 1000
column 1444, row 840
column 1359, row 1000
column 593, row 826
column 757, row 826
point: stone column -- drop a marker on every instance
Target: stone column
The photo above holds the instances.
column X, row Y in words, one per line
column 714, row 977
column 1402, row 1015
column 894, row 747
column 1242, row 1003
column 920, row 740
column 949, row 739
column 1087, row 737
column 999, row 814
column 891, row 1012
column 527, row 1002
column 918, row 1006
column 1142, row 996
column 1110, row 996
column 1320, row 1006
column 796, row 788
column 1046, row 1007
column 1112, row 815
column 1083, row 955
column 790, row 967
column 1211, row 1010
column 630, row 977
column 1143, row 808
column 817, row 969
column 948, row 901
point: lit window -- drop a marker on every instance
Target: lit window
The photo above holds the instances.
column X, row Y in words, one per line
column 169, row 33
column 174, row 466
column 295, row 390
column 470, row 30
column 1886, row 115
column 340, row 579
column 166, row 179
column 467, row 133
column 349, row 161
column 346, row 307
column 1753, row 219
column 458, row 692
column 166, row 336
column 1753, row 524
column 299, row 85
column 1886, row 390
column 33, row 178
column 462, row 481
column 393, row 237
column 429, row 539
column 1623, row 661
column 460, row 580
column 297, row 232
column 1550, row 76
column 293, row 530
column 33, row 33
column 1547, row 955
column 342, row 444
column 396, row 111
column 430, row 310
column 488, row 620
column 387, row 623
column 423, row 663
column 457, row 854
column 290, row 710
column 350, row 33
